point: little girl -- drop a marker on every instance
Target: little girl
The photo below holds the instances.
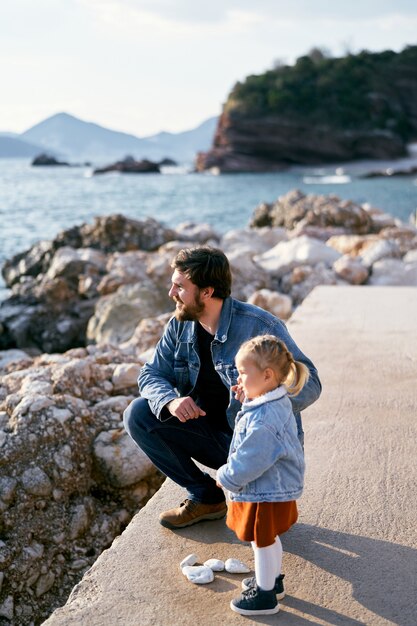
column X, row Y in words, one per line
column 265, row 468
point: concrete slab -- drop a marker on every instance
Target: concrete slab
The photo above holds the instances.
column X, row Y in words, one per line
column 352, row 558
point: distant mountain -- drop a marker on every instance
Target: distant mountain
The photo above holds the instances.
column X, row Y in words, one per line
column 12, row 146
column 71, row 137
column 188, row 142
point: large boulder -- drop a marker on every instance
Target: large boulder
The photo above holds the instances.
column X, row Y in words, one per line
column 120, row 461
column 384, row 248
column 393, row 272
column 351, row 244
column 313, row 211
column 352, row 270
column 196, row 233
column 286, row 255
column 123, row 268
column 247, row 275
column 279, row 304
column 253, row 240
column 117, row 315
column 146, row 335
column 299, row 282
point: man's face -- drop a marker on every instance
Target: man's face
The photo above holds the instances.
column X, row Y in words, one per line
column 186, row 296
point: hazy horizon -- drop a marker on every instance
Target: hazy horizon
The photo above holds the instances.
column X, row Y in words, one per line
column 6, row 132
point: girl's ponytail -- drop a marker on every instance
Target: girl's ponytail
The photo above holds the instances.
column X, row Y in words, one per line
column 297, row 377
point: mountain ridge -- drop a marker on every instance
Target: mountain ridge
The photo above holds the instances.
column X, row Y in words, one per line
column 72, row 137
column 13, row 146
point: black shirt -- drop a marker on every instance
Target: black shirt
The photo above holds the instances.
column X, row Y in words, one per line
column 210, row 393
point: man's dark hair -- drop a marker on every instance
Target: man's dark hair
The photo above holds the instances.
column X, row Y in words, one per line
column 205, row 267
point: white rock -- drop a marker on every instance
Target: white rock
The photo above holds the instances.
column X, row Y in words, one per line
column 44, row 584
column 125, row 375
column 7, row 608
column 190, row 231
column 191, row 559
column 351, row 244
column 234, row 566
column 351, row 269
column 61, row 415
column 147, row 334
column 34, row 550
column 36, row 482
column 215, row 564
column 198, row 574
column 379, row 250
column 303, row 279
column 241, row 263
column 119, row 460
column 12, row 356
column 255, row 241
column 393, row 272
column 63, row 458
column 410, row 257
column 79, row 521
column 66, row 255
column 31, row 404
column 40, row 387
column 117, row 315
column 247, row 276
column 276, row 303
column 288, row 254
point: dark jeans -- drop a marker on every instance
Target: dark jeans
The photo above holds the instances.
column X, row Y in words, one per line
column 172, row 445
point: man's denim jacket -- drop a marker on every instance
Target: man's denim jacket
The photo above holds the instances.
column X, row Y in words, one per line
column 266, row 459
column 174, row 367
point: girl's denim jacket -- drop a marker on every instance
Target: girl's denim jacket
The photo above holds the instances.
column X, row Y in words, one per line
column 174, row 367
column 266, row 460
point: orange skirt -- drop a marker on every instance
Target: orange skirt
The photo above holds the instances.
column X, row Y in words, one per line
column 261, row 522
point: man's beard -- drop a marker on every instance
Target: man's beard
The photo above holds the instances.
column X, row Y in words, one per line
column 189, row 312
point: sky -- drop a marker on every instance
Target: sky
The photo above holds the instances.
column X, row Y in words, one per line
column 143, row 66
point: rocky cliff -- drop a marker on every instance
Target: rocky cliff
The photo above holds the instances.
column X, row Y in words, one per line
column 319, row 110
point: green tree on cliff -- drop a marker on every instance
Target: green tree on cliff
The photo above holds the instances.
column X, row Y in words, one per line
column 366, row 90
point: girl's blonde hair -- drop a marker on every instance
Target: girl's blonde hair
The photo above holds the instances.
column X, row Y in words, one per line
column 268, row 351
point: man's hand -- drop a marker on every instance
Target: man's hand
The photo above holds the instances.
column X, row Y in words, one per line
column 184, row 409
column 239, row 393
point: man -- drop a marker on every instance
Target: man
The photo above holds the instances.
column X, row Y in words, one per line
column 187, row 408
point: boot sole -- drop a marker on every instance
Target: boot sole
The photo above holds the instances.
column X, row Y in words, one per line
column 205, row 518
column 256, row 612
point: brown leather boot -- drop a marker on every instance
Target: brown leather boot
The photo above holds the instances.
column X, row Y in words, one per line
column 190, row 512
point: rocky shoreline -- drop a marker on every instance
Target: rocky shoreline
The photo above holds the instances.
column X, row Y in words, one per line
column 86, row 309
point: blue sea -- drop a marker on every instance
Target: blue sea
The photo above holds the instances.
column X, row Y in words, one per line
column 38, row 202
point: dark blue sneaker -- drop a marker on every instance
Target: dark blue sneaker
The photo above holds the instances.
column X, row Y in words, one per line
column 255, row 601
column 250, row 583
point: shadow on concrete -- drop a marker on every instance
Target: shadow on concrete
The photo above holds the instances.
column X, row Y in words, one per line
column 317, row 612
column 383, row 574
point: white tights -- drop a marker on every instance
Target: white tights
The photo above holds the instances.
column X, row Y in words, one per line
column 268, row 563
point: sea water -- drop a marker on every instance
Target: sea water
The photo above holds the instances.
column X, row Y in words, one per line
column 38, row 202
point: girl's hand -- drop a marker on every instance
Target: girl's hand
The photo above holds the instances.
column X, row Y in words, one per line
column 239, row 393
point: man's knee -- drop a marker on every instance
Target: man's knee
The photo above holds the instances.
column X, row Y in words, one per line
column 135, row 415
